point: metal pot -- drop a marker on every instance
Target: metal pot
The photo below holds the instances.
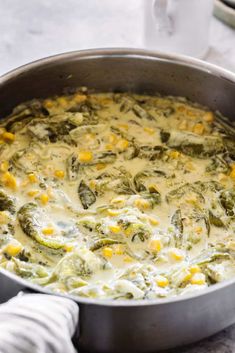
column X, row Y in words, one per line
column 131, row 326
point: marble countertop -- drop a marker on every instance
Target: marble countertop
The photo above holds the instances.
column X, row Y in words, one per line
column 34, row 29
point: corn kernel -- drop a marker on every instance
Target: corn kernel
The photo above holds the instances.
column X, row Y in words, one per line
column 108, row 147
column 153, row 221
column 8, row 137
column 85, row 156
column 153, row 188
column 33, row 193
column 32, row 178
column 112, row 139
column 128, row 231
column 128, row 259
column 198, row 129
column 4, row 218
column 118, row 201
column 208, row 117
column 162, row 281
column 155, row 245
column 174, row 154
column 195, row 269
column 78, row 97
column 48, row 231
column 13, row 249
column 124, row 126
column 176, row 254
column 115, row 229
column 100, row 166
column 92, row 184
column 107, row 252
column 122, row 144
column 59, row 174
column 2, row 130
column 149, row 130
column 183, row 125
column 198, row 278
column 4, row 166
column 232, row 173
column 9, row 180
column 198, row 230
column 44, row 198
column 48, row 103
column 62, row 101
column 186, row 276
column 112, row 212
column 142, row 204
column 118, row 249
column 68, row 247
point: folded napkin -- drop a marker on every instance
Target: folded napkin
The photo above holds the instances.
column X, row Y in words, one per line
column 38, row 323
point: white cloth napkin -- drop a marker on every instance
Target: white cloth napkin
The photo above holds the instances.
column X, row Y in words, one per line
column 38, row 323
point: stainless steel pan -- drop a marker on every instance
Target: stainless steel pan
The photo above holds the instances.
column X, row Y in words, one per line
column 132, row 326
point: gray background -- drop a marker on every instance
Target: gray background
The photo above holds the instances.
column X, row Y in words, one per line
column 32, row 29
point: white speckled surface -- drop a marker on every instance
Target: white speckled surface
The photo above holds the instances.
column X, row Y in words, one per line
column 32, row 29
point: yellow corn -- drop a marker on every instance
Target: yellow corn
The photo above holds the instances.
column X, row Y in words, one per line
column 153, row 221
column 186, row 276
column 123, row 126
column 149, row 130
column 208, row 117
column 122, row 144
column 4, row 166
column 112, row 212
column 59, row 174
column 68, row 247
column 142, row 204
column 128, row 259
column 62, row 101
column 155, row 245
column 8, row 137
column 48, row 231
column 44, row 198
column 195, row 269
column 32, row 178
column 118, row 249
column 4, row 218
column 13, row 249
column 128, row 231
column 85, row 156
column 33, row 193
column 112, row 139
column 176, row 254
column 78, row 97
column 118, row 201
column 183, row 125
column 153, row 188
column 232, row 173
column 198, row 278
column 198, row 128
column 174, row 154
column 100, row 166
column 162, row 281
column 48, row 103
column 198, row 230
column 107, row 252
column 109, row 147
column 115, row 229
column 9, row 180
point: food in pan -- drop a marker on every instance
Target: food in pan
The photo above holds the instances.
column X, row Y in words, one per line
column 117, row 196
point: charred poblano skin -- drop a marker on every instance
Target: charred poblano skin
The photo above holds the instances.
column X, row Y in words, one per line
column 215, row 220
column 29, row 220
column 192, row 144
column 7, row 203
column 100, row 243
column 72, row 167
column 227, row 200
column 86, row 195
column 177, row 222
